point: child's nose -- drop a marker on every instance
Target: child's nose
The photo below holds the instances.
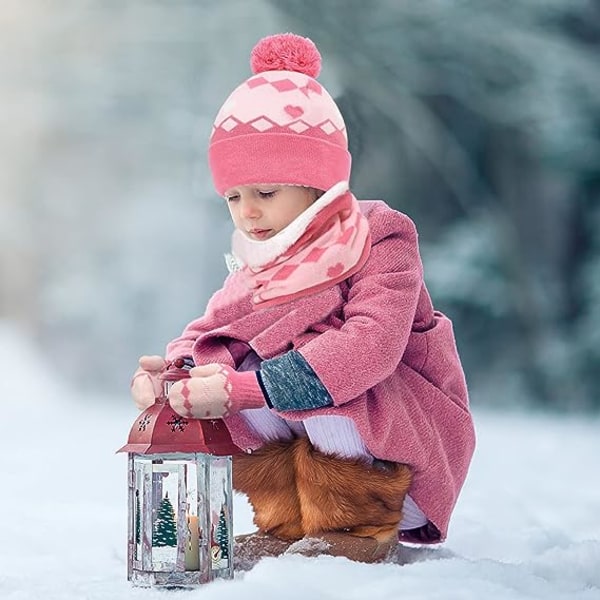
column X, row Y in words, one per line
column 249, row 208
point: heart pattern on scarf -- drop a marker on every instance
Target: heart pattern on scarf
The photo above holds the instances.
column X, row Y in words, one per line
column 335, row 270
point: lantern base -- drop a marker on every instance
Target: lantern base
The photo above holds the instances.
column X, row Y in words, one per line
column 173, row 580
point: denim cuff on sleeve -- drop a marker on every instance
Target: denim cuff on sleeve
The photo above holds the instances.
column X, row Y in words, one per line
column 291, row 384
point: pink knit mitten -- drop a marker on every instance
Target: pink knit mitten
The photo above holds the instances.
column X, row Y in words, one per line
column 146, row 384
column 215, row 391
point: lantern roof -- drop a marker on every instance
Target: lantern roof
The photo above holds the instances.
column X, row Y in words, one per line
column 159, row 430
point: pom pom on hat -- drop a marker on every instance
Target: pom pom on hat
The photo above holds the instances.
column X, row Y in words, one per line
column 286, row 52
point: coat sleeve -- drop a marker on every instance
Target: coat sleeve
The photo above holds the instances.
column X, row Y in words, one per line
column 182, row 345
column 378, row 315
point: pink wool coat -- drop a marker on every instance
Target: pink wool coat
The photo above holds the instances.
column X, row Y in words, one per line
column 386, row 357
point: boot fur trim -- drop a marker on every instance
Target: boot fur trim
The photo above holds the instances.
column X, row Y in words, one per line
column 349, row 495
column 267, row 477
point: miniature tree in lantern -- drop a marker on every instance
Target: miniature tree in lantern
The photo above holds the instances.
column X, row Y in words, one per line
column 165, row 528
column 180, row 492
column 223, row 533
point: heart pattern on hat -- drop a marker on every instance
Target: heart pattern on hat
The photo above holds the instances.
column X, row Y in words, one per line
column 294, row 111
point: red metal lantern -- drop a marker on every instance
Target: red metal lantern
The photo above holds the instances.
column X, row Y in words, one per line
column 180, row 497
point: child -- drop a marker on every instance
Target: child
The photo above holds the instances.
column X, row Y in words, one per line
column 322, row 350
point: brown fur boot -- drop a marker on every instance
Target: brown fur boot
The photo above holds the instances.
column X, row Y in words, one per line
column 267, row 477
column 349, row 507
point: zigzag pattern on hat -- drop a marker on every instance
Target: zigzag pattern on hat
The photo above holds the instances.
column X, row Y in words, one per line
column 264, row 123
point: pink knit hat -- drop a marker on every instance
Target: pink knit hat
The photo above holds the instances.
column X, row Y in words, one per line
column 280, row 126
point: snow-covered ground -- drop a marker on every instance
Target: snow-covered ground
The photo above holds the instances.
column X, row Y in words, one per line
column 527, row 524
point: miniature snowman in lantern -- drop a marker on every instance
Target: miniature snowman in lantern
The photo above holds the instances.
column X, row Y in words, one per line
column 180, row 497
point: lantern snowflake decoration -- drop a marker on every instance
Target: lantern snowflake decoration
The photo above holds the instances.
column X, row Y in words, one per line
column 180, row 497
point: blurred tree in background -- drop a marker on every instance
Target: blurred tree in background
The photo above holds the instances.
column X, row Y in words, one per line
column 481, row 120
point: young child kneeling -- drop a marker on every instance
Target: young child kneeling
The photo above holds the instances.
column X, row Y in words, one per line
column 322, row 351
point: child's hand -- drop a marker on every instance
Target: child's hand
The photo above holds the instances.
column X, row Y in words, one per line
column 215, row 391
column 145, row 384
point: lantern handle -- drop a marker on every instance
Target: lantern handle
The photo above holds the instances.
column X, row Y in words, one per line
column 175, row 371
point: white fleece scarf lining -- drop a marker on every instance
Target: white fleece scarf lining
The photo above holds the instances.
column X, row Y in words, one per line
column 257, row 253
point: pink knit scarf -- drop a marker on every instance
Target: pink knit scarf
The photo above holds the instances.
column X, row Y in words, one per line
column 326, row 244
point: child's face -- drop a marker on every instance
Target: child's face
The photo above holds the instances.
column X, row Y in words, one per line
column 260, row 211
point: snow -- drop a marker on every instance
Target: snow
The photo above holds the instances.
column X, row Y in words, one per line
column 526, row 525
